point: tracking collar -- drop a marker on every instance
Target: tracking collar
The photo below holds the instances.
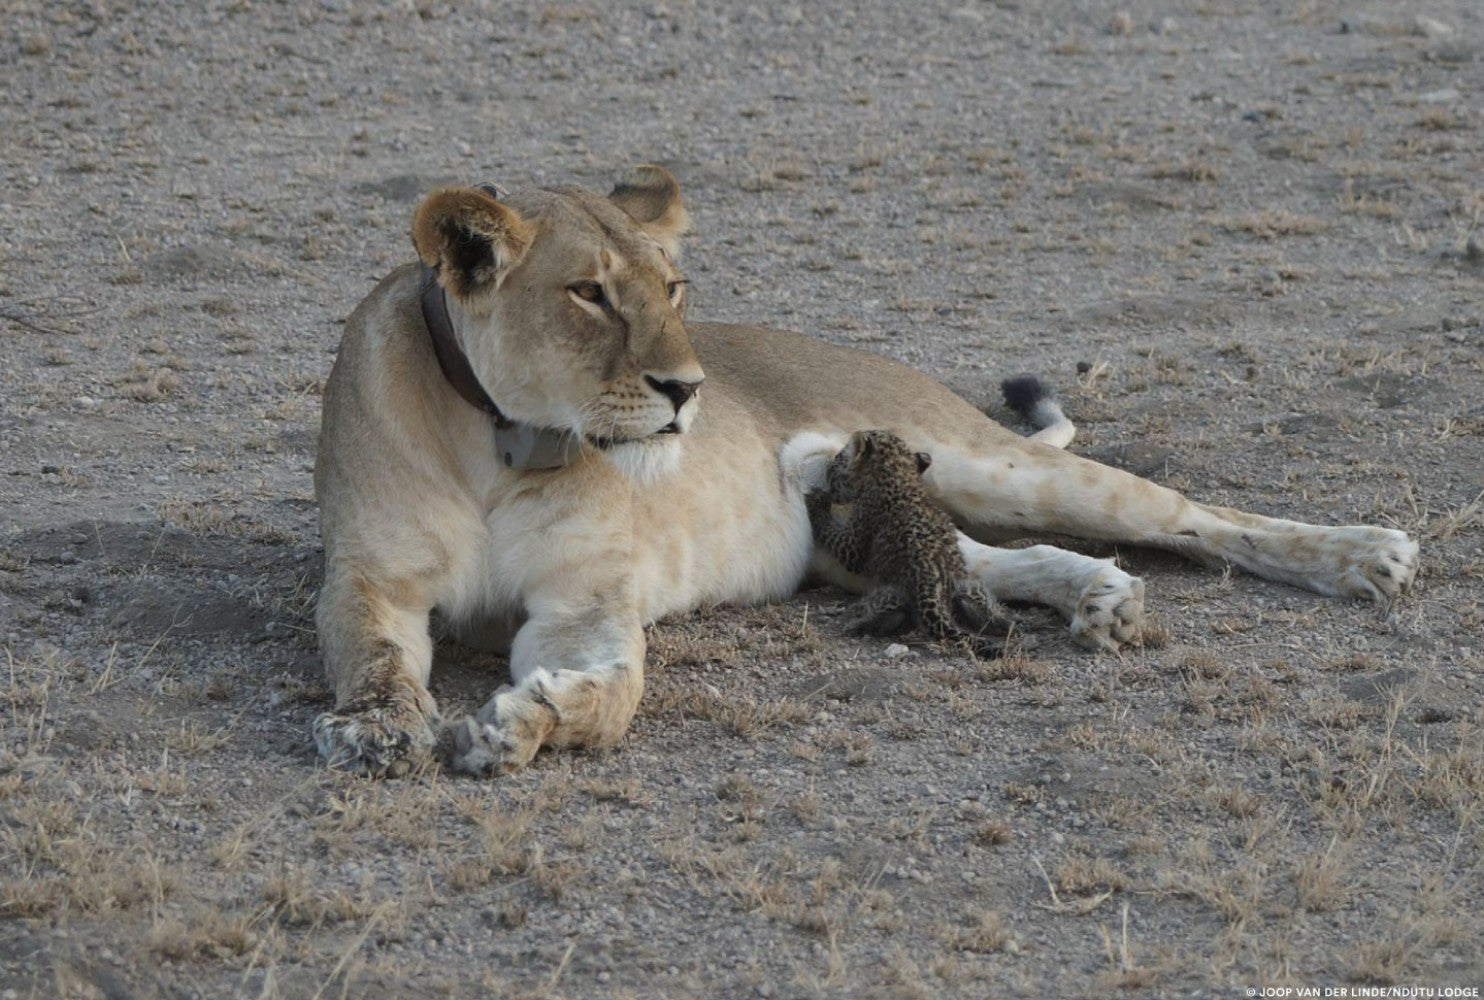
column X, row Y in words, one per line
column 520, row 446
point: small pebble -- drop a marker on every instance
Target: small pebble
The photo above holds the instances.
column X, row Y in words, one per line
column 36, row 45
column 896, row 651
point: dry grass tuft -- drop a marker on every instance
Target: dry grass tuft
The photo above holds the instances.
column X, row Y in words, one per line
column 980, row 931
column 1238, row 801
column 1015, row 665
column 1351, row 203
column 214, row 519
column 993, row 833
column 210, row 935
column 144, row 384
column 1083, row 876
column 626, row 791
column 1123, row 972
column 1319, row 878
column 293, row 903
column 735, row 709
column 1269, row 224
column 1236, row 894
column 505, row 835
column 1438, row 120
column 1193, row 170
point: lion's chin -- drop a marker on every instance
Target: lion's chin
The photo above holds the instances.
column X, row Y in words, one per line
column 645, row 460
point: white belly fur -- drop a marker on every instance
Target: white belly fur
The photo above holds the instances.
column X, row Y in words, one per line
column 742, row 538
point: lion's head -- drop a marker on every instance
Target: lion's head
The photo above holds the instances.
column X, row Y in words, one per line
column 570, row 306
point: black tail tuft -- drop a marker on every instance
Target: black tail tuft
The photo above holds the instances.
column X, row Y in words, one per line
column 1023, row 392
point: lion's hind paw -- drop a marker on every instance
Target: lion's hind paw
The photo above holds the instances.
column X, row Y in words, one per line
column 1376, row 564
column 1110, row 611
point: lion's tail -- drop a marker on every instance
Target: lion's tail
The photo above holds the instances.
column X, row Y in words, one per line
column 1029, row 397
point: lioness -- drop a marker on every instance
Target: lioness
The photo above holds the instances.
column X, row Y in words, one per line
column 681, row 482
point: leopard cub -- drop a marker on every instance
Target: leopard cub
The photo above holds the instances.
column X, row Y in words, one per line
column 875, row 517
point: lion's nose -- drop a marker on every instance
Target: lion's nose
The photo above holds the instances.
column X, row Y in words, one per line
column 677, row 391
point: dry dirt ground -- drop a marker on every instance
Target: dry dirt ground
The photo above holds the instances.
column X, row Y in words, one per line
column 1243, row 239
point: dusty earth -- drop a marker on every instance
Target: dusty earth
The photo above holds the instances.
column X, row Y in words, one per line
column 1245, row 246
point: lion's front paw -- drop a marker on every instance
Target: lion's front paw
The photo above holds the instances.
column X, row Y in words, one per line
column 1110, row 610
column 384, row 736
column 1374, row 564
column 504, row 735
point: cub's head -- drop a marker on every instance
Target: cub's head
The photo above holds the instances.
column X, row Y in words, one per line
column 873, row 461
column 570, row 307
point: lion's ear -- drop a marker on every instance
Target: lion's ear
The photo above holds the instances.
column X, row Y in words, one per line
column 469, row 239
column 651, row 195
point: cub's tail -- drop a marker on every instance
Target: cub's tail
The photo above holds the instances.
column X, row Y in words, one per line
column 1029, row 397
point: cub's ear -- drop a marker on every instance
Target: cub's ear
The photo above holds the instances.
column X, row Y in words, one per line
column 469, row 239
column 651, row 195
column 923, row 461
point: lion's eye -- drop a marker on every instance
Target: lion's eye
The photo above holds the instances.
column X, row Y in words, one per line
column 674, row 289
column 589, row 291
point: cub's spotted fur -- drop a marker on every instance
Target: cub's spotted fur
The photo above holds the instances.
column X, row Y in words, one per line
column 875, row 517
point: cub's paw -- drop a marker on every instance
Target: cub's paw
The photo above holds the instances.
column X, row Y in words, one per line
column 978, row 612
column 982, row 646
column 504, row 735
column 879, row 623
column 1373, row 564
column 379, row 736
column 1110, row 610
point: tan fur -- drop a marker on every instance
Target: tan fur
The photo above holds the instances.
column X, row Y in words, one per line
column 563, row 567
column 448, row 220
column 652, row 196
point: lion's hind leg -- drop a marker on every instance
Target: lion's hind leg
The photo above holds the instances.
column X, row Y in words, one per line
column 1024, row 488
